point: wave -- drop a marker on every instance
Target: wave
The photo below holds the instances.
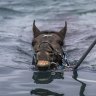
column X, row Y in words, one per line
column 8, row 11
column 91, row 37
column 86, row 12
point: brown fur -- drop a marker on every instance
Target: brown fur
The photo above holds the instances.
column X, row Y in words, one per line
column 54, row 39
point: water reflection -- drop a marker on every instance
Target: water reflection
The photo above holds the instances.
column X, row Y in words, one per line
column 83, row 85
column 44, row 92
column 47, row 77
column 42, row 77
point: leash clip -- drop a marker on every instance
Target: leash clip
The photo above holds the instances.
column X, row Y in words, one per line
column 65, row 60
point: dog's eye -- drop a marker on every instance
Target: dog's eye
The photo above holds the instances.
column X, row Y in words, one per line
column 60, row 42
column 33, row 43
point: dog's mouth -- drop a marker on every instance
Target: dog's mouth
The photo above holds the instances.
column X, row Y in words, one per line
column 43, row 63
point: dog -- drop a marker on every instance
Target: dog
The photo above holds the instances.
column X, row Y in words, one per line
column 48, row 47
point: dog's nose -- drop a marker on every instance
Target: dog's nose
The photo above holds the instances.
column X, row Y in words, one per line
column 42, row 56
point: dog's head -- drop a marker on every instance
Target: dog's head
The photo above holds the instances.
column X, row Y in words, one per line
column 48, row 46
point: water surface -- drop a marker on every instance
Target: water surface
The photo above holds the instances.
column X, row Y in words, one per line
column 16, row 18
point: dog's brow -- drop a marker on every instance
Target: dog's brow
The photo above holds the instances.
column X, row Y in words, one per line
column 47, row 35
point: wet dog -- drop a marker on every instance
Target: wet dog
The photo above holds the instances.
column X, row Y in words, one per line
column 48, row 47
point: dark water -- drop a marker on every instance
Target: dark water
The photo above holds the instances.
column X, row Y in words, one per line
column 16, row 75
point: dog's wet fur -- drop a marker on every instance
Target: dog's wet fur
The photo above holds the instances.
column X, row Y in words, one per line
column 44, row 43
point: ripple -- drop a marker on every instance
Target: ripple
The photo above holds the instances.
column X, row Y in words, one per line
column 16, row 18
column 9, row 13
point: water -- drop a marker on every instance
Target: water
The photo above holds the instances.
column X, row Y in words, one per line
column 16, row 18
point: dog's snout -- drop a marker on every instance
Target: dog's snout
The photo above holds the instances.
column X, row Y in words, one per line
column 42, row 56
column 43, row 60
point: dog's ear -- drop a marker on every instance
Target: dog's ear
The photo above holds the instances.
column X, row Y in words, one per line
column 62, row 32
column 36, row 31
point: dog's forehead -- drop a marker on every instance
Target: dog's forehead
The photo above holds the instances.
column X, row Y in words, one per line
column 53, row 36
column 47, row 35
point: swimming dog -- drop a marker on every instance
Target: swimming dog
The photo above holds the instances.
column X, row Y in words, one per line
column 48, row 47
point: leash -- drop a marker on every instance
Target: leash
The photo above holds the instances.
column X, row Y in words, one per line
column 64, row 56
column 84, row 55
column 65, row 59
